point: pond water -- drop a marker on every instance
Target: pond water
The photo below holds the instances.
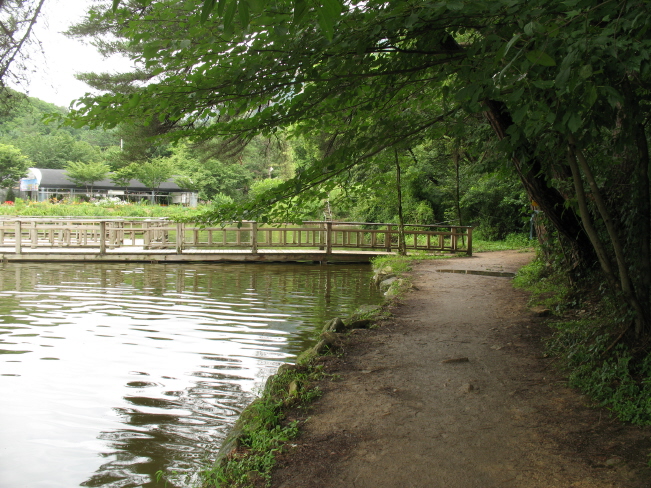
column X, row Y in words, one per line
column 111, row 372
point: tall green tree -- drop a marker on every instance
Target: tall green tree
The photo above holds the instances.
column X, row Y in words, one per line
column 86, row 174
column 53, row 151
column 208, row 175
column 153, row 173
column 13, row 165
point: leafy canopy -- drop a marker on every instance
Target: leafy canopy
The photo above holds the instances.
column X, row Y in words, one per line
column 13, row 165
column 391, row 74
column 86, row 174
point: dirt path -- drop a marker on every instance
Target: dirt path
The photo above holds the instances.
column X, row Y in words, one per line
column 406, row 409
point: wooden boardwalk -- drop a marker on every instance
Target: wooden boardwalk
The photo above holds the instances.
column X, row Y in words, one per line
column 160, row 240
column 8, row 255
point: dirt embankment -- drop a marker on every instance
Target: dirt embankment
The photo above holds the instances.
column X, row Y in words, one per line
column 454, row 392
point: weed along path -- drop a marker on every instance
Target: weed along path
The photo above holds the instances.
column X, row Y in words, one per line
column 453, row 391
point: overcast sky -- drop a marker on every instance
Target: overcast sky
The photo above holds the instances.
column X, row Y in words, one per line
column 54, row 79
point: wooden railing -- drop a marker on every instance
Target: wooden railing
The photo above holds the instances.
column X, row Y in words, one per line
column 164, row 234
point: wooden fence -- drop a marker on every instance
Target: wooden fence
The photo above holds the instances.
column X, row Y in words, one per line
column 110, row 234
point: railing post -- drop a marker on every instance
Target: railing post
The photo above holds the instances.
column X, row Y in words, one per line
column 146, row 237
column 179, row 237
column 328, row 237
column 387, row 238
column 469, row 250
column 33, row 235
column 19, row 232
column 453, row 239
column 112, row 236
column 102, row 237
column 254, row 237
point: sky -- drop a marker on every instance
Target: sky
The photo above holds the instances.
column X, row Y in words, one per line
column 53, row 80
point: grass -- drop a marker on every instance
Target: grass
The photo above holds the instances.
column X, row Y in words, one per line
column 511, row 242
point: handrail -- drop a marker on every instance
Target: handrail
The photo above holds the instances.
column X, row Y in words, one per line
column 162, row 233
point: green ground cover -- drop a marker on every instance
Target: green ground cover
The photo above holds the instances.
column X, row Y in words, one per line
column 589, row 341
column 27, row 208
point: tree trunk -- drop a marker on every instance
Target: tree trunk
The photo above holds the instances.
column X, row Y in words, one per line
column 540, row 190
column 593, row 235
column 626, row 284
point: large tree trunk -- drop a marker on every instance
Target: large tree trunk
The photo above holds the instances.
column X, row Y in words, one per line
column 540, row 190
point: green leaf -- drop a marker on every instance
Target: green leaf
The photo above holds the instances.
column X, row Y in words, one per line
column 300, row 9
column 150, row 50
column 590, row 95
column 256, row 6
column 541, row 58
column 455, row 5
column 220, row 7
column 574, row 122
column 326, row 25
column 516, row 95
column 614, row 97
column 503, row 51
column 328, row 13
column 243, row 10
column 562, row 77
column 543, row 84
column 513, row 40
column 519, row 114
column 116, row 3
column 229, row 15
column 411, row 20
column 134, row 100
column 529, row 29
column 585, row 71
column 208, row 6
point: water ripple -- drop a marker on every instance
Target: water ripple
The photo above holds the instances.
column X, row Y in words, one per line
column 148, row 366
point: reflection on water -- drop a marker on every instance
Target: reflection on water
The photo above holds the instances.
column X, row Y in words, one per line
column 112, row 372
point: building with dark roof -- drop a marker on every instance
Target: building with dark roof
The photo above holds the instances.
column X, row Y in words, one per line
column 45, row 184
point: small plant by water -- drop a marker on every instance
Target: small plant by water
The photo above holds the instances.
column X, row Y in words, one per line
column 262, row 430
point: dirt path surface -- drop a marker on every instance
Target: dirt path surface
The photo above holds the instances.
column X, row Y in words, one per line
column 407, row 409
